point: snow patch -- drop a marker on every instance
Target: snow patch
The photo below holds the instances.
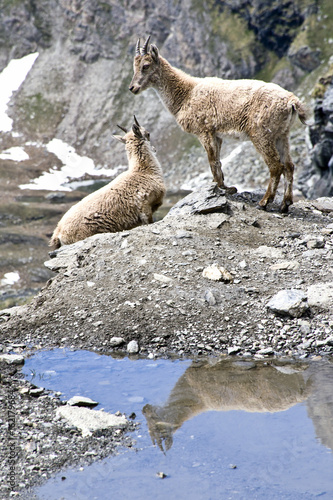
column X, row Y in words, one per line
column 10, row 278
column 15, row 154
column 74, row 166
column 11, row 78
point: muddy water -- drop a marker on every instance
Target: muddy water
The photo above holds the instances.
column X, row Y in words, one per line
column 222, row 429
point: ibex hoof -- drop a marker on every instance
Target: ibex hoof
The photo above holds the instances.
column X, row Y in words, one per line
column 284, row 208
column 230, row 190
column 261, row 207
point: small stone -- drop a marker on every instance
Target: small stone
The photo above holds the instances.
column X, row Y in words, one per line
column 232, row 466
column 12, row 359
column 133, row 347
column 217, row 273
column 315, row 243
column 306, row 345
column 162, row 278
column 36, row 392
column 305, row 326
column 161, row 475
column 267, row 351
column 290, row 265
column 183, row 234
column 209, row 297
column 81, row 401
column 116, row 341
column 234, row 350
column 243, row 264
column 24, row 390
column 329, row 340
column 325, row 205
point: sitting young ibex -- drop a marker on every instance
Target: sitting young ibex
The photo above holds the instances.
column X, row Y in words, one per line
column 211, row 107
column 126, row 202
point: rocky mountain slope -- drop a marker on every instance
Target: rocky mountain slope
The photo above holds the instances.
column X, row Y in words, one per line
column 216, row 275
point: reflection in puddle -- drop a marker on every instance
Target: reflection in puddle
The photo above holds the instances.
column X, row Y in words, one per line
column 274, row 422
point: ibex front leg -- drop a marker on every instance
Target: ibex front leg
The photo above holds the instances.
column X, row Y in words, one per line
column 212, row 145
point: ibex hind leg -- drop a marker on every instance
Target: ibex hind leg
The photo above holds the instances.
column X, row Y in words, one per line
column 288, row 186
column 276, row 168
column 282, row 145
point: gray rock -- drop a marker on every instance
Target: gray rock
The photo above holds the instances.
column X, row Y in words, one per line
column 210, row 298
column 315, row 243
column 234, row 350
column 329, row 340
column 183, row 234
column 202, row 201
column 116, row 341
column 36, row 392
column 162, row 278
column 88, row 420
column 323, row 204
column 268, row 351
column 305, row 326
column 12, row 359
column 133, row 347
column 289, row 302
column 81, row 401
column 306, row 345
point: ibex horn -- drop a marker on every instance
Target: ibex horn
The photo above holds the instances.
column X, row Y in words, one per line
column 122, row 128
column 145, row 46
column 136, row 121
column 137, row 50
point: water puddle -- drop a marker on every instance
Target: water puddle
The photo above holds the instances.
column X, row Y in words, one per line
column 223, row 429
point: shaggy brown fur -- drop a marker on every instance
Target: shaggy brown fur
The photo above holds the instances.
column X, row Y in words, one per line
column 126, row 202
column 211, row 108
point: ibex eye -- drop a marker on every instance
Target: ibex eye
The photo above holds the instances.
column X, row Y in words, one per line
column 145, row 67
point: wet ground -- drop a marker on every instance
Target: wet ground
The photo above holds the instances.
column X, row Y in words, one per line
column 222, row 428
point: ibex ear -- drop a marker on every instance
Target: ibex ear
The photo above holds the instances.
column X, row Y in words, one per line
column 154, row 52
column 119, row 138
column 137, row 131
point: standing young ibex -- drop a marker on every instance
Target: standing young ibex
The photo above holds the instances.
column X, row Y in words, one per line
column 126, row 202
column 211, row 107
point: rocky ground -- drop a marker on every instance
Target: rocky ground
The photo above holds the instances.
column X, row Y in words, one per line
column 149, row 284
column 217, row 276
